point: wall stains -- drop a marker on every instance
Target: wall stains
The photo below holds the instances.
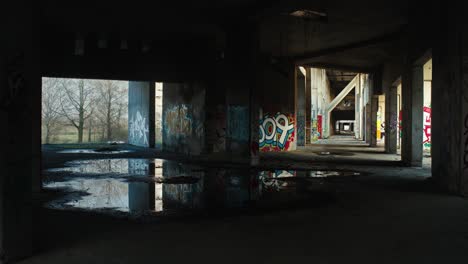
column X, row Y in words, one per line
column 184, row 118
column 178, row 121
column 277, row 132
column 238, row 123
column 465, row 135
column 219, row 143
column 138, row 129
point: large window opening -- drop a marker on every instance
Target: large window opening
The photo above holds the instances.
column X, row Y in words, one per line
column 77, row 111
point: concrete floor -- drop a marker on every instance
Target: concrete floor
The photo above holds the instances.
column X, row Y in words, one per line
column 392, row 214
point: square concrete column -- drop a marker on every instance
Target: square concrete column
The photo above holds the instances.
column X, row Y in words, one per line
column 449, row 133
column 373, row 119
column 391, row 117
column 308, row 93
column 314, row 99
column 357, row 110
column 413, row 99
column 300, row 95
column 141, row 114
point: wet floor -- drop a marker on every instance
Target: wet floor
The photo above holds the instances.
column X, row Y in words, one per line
column 93, row 151
column 161, row 187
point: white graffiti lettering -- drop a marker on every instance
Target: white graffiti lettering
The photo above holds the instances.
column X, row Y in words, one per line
column 138, row 129
column 275, row 131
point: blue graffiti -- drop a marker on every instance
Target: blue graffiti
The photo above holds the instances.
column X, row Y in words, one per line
column 275, row 131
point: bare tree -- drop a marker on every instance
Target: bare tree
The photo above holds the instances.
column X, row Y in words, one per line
column 51, row 107
column 111, row 105
column 77, row 103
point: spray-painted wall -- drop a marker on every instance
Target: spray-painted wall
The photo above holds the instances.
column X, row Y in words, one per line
column 277, row 118
column 139, row 114
column 320, row 98
column 183, row 118
column 277, row 132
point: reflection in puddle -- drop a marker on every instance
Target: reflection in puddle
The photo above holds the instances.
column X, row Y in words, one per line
column 93, row 151
column 160, row 186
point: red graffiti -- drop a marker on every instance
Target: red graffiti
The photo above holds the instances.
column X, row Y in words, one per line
column 427, row 125
column 319, row 126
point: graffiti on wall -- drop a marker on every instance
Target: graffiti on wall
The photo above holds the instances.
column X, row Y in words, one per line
column 393, row 123
column 219, row 141
column 138, row 129
column 178, row 121
column 427, row 127
column 238, row 123
column 319, row 126
column 276, row 132
column 314, row 130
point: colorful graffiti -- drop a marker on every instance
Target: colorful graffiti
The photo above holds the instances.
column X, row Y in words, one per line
column 138, row 129
column 314, row 134
column 178, row 121
column 269, row 179
column 427, row 127
column 276, row 132
column 238, row 123
column 319, row 126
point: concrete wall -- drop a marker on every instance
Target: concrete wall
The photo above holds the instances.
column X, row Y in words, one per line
column 20, row 115
column 320, row 98
column 141, row 113
column 301, row 106
column 184, row 118
column 449, row 101
column 277, row 109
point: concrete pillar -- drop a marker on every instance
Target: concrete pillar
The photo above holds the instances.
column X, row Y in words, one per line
column 20, row 89
column 391, row 117
column 364, row 89
column 373, row 119
column 413, row 98
column 450, row 102
column 314, row 99
column 300, row 95
column 357, row 108
column 308, row 100
column 141, row 114
column 184, row 118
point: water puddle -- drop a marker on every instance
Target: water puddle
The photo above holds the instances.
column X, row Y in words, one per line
column 104, row 151
column 333, row 153
column 160, row 187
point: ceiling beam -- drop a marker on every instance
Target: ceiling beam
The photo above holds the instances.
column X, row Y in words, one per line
column 347, row 68
column 308, row 56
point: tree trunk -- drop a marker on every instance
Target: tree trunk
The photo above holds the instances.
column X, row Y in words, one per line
column 80, row 131
column 89, row 132
column 47, row 137
column 109, row 117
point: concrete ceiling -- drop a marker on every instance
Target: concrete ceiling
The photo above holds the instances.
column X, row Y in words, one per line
column 339, row 79
column 355, row 35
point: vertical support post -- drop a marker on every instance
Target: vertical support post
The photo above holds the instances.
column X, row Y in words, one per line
column 308, row 101
column 413, row 98
column 300, row 105
column 141, row 107
column 391, row 117
column 357, row 109
column 374, row 109
column 314, row 104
